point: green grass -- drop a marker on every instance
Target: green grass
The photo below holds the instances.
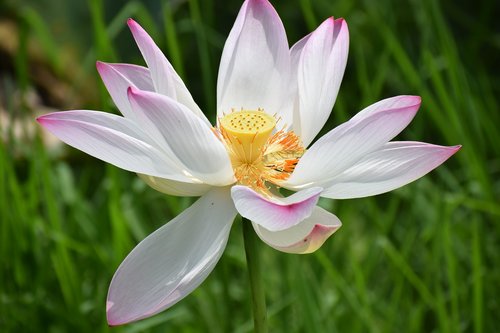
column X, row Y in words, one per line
column 423, row 258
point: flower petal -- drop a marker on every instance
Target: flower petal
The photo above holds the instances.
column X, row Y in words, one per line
column 138, row 75
column 276, row 213
column 190, row 140
column 295, row 52
column 118, row 78
column 165, row 79
column 391, row 103
column 305, row 237
column 113, row 139
column 173, row 261
column 393, row 166
column 176, row 188
column 346, row 144
column 320, row 69
column 255, row 63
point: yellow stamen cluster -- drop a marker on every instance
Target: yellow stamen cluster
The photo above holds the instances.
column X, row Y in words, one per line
column 258, row 156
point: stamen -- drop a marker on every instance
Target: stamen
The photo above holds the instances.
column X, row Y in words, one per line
column 258, row 156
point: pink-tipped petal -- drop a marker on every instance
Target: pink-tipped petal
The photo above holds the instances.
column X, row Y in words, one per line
column 305, row 237
column 173, row 261
column 161, row 69
column 393, row 166
column 113, row 139
column 319, row 72
column 118, row 78
column 189, row 139
column 172, row 187
column 391, row 103
column 275, row 213
column 346, row 144
column 140, row 76
column 165, row 79
column 255, row 64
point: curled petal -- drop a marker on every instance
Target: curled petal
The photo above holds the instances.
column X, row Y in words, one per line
column 165, row 79
column 255, row 63
column 275, row 213
column 171, row 262
column 393, row 166
column 176, row 188
column 320, row 68
column 113, row 139
column 187, row 136
column 305, row 237
column 346, row 144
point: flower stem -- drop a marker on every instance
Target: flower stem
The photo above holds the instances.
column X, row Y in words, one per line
column 254, row 272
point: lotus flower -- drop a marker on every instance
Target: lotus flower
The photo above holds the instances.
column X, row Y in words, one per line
column 272, row 101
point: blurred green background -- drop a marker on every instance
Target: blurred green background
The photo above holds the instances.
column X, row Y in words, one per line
column 424, row 258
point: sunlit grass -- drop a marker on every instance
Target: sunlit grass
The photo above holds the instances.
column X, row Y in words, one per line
column 420, row 259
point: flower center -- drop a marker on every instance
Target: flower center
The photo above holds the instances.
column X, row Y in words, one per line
column 248, row 132
column 260, row 158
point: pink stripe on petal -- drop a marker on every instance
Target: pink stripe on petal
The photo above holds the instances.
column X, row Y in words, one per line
column 275, row 213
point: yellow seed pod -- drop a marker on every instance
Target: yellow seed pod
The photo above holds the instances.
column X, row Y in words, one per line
column 248, row 131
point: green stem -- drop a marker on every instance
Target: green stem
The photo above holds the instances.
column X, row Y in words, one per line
column 254, row 272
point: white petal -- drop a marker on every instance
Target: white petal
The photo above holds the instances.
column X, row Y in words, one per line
column 176, row 188
column 173, row 261
column 275, row 213
column 165, row 79
column 305, row 237
column 295, row 52
column 188, row 137
column 113, row 139
column 393, row 166
column 321, row 67
column 255, row 64
column 348, row 143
